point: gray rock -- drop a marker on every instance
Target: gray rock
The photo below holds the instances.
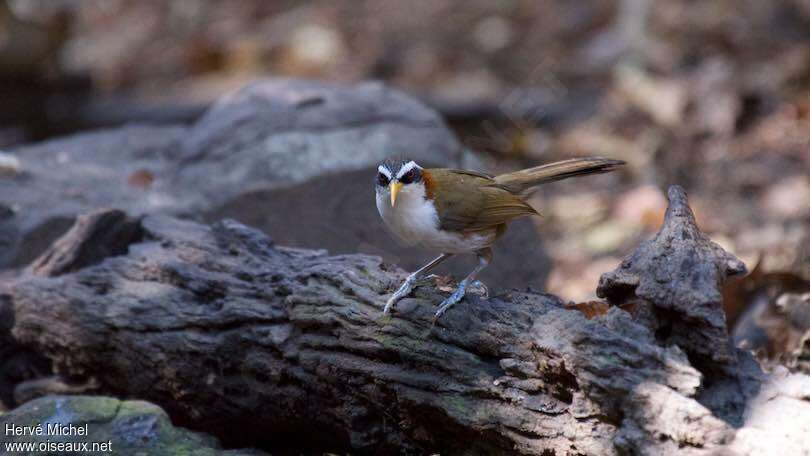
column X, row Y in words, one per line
column 63, row 178
column 295, row 159
column 127, row 427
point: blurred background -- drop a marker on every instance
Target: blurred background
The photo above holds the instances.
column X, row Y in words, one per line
column 712, row 95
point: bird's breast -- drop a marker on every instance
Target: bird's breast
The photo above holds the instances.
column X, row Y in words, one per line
column 412, row 219
column 415, row 221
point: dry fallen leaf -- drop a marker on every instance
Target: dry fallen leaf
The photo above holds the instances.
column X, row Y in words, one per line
column 591, row 309
column 769, row 313
column 141, row 178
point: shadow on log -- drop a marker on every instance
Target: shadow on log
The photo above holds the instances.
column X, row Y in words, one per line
column 286, row 348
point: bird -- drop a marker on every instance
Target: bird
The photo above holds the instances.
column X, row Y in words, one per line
column 456, row 211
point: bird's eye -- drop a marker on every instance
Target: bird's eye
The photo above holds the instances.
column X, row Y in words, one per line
column 382, row 180
column 409, row 177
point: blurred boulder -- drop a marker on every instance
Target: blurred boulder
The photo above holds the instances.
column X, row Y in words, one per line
column 294, row 158
column 128, row 427
column 59, row 179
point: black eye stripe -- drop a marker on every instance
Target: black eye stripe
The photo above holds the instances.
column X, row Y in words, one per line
column 412, row 175
column 382, row 179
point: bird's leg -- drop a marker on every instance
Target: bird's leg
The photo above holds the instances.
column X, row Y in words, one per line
column 484, row 257
column 412, row 280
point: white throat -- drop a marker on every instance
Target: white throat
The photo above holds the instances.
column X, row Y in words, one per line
column 413, row 218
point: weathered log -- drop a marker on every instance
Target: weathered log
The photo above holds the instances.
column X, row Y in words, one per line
column 17, row 363
column 236, row 336
column 275, row 347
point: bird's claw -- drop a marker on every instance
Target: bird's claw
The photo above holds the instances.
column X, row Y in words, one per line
column 457, row 295
column 481, row 286
column 404, row 290
column 426, row 279
column 451, row 300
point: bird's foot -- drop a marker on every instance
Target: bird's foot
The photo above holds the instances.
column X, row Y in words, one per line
column 404, row 290
column 426, row 279
column 451, row 300
column 480, row 288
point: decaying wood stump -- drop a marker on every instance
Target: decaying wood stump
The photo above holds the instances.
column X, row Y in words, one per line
column 277, row 347
column 674, row 281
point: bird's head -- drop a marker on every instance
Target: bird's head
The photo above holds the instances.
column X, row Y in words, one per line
column 398, row 177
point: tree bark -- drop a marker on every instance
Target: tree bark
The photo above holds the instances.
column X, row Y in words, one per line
column 279, row 348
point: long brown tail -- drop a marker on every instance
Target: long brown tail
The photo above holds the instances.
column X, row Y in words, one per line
column 520, row 181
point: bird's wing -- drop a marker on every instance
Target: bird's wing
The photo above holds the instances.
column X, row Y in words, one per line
column 468, row 201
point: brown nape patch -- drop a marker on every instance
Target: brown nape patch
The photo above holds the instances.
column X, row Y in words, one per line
column 430, row 185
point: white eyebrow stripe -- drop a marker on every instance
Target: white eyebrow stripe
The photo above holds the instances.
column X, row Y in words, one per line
column 407, row 167
column 383, row 170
